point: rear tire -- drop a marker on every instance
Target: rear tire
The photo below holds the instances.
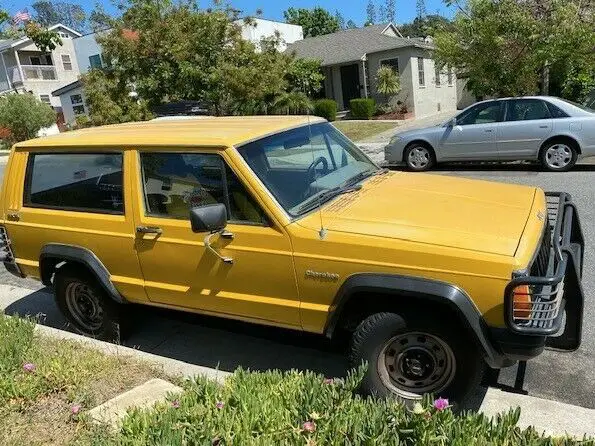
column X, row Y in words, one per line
column 409, row 358
column 558, row 155
column 419, row 157
column 86, row 306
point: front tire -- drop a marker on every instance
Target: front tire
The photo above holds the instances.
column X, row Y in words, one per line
column 409, row 358
column 86, row 306
column 419, row 157
column 558, row 155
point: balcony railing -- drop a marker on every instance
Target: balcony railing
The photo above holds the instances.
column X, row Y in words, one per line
column 39, row 72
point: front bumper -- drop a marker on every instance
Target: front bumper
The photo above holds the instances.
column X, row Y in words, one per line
column 544, row 306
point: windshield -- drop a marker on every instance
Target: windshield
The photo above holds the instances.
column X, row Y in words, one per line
column 308, row 161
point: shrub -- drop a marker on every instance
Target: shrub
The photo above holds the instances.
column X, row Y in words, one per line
column 297, row 408
column 326, row 108
column 24, row 115
column 362, row 108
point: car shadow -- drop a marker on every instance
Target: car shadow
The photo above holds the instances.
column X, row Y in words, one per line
column 213, row 342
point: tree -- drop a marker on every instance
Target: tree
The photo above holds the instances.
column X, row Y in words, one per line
column 340, row 19
column 420, row 9
column 387, row 82
column 503, row 47
column 44, row 39
column 351, row 24
column 170, row 51
column 371, row 13
column 315, row 22
column 426, row 26
column 391, row 11
column 24, row 115
column 51, row 13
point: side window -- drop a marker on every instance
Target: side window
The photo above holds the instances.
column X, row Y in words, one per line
column 556, row 112
column 486, row 113
column 176, row 182
column 75, row 181
column 527, row 110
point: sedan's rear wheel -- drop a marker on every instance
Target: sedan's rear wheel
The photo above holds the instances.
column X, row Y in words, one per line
column 419, row 157
column 559, row 156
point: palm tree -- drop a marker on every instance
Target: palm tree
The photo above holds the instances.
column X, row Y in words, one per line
column 292, row 102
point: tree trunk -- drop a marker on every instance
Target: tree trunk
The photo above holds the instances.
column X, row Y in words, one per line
column 545, row 80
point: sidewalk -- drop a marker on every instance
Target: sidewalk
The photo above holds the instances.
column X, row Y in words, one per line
column 551, row 417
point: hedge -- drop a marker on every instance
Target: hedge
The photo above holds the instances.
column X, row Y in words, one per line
column 362, row 108
column 326, row 108
column 302, row 408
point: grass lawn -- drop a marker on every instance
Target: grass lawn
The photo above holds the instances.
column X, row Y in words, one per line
column 358, row 130
column 43, row 381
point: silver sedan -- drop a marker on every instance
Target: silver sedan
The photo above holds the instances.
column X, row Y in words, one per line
column 553, row 131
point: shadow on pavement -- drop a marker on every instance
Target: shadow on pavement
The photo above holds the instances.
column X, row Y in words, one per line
column 213, row 342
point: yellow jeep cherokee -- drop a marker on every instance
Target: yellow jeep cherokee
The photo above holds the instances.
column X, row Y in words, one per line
column 283, row 221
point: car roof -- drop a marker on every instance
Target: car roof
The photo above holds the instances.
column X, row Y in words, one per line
column 217, row 132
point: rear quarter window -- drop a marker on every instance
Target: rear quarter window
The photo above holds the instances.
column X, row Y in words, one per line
column 86, row 182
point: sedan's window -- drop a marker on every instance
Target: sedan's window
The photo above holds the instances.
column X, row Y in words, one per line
column 527, row 110
column 556, row 112
column 484, row 113
column 175, row 182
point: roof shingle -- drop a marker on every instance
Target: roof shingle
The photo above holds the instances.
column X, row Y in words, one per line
column 351, row 45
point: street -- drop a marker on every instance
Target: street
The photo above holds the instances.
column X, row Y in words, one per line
column 565, row 377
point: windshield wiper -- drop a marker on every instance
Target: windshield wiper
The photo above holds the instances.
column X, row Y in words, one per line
column 363, row 175
column 326, row 195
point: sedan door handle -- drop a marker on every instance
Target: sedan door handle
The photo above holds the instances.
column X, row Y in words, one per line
column 489, row 130
column 148, row 230
column 544, row 126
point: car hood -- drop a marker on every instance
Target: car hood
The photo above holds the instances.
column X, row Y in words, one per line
column 425, row 132
column 432, row 209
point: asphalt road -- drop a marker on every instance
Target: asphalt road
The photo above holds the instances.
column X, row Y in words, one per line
column 566, row 377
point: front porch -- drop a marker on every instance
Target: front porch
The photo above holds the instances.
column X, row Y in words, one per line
column 345, row 82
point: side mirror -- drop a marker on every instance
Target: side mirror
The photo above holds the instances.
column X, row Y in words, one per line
column 452, row 122
column 209, row 218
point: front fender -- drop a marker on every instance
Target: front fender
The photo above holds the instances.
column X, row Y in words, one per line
column 417, row 288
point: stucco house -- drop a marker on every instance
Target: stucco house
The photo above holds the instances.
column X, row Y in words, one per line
column 350, row 60
column 25, row 68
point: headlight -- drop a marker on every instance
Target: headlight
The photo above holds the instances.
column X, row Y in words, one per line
column 395, row 139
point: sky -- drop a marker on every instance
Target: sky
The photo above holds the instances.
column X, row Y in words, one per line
column 273, row 9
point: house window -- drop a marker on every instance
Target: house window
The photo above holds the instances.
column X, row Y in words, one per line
column 77, row 104
column 66, row 62
column 64, row 35
column 45, row 98
column 449, row 76
column 42, row 59
column 95, row 61
column 393, row 63
column 420, row 71
column 437, row 74
column 35, row 60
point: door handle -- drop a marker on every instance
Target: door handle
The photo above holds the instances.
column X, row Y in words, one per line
column 489, row 130
column 148, row 230
column 544, row 126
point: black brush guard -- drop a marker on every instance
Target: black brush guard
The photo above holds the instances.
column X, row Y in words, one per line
column 553, row 305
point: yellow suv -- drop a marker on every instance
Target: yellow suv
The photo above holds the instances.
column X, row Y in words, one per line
column 283, row 221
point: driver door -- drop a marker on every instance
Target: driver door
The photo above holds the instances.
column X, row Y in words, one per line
column 179, row 271
column 474, row 135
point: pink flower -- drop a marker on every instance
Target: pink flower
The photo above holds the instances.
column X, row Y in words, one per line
column 29, row 367
column 328, row 380
column 219, row 404
column 441, row 404
column 309, row 426
column 76, row 409
column 175, row 404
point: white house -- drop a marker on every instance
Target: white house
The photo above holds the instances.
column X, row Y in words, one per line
column 72, row 98
column 25, row 68
column 256, row 29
